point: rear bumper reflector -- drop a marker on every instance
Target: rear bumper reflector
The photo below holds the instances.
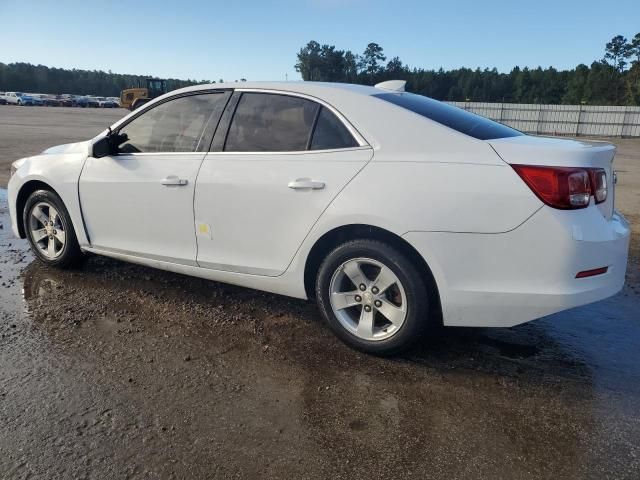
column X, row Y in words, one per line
column 591, row 273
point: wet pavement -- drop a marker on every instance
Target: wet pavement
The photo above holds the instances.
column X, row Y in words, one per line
column 119, row 371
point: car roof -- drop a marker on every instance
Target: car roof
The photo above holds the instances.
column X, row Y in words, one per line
column 309, row 88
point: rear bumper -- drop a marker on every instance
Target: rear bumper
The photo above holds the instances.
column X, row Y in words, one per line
column 501, row 280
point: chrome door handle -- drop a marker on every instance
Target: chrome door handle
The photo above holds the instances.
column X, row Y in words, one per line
column 172, row 180
column 306, row 184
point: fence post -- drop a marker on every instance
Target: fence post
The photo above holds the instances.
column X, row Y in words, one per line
column 578, row 122
column 539, row 118
column 624, row 120
column 501, row 110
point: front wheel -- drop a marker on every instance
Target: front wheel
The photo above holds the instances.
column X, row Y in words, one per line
column 372, row 297
column 49, row 230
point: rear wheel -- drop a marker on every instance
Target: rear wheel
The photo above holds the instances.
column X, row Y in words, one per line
column 49, row 230
column 372, row 297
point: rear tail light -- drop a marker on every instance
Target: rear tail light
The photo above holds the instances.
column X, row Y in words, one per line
column 567, row 188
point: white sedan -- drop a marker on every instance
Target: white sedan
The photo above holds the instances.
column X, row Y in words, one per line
column 390, row 209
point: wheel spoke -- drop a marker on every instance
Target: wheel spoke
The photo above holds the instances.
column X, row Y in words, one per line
column 353, row 271
column 344, row 300
column 53, row 214
column 39, row 235
column 385, row 279
column 51, row 248
column 40, row 215
column 365, row 325
column 392, row 313
column 61, row 236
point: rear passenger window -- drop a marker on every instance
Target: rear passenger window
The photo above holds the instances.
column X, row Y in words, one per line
column 331, row 133
column 266, row 122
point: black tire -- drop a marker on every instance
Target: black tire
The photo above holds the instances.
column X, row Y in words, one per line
column 70, row 253
column 417, row 295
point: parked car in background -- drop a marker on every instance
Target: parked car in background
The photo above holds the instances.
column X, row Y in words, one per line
column 93, row 102
column 115, row 100
column 49, row 100
column 37, row 99
column 3, row 101
column 78, row 101
column 65, row 100
column 10, row 98
column 392, row 210
column 18, row 98
column 106, row 103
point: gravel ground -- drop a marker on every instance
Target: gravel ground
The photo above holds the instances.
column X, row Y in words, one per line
column 119, row 371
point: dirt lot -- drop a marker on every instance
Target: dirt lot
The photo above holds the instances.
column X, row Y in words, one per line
column 118, row 371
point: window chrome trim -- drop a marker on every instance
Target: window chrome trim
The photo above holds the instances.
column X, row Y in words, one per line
column 156, row 154
column 295, row 152
column 352, row 130
column 155, row 102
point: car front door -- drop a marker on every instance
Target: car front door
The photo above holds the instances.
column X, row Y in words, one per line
column 140, row 201
column 284, row 158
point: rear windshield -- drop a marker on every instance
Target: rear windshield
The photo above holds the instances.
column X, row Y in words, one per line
column 453, row 117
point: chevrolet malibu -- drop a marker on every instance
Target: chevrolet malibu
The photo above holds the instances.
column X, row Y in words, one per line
column 392, row 210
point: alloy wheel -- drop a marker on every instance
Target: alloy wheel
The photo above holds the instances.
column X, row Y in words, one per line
column 368, row 299
column 47, row 230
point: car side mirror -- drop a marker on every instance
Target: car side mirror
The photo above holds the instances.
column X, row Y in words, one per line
column 108, row 145
column 102, row 148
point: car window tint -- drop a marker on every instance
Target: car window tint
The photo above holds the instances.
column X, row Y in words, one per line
column 331, row 133
column 173, row 126
column 453, row 117
column 271, row 123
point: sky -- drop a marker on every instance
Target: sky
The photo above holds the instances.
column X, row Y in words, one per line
column 258, row 40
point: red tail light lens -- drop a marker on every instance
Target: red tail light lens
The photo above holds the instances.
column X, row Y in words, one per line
column 565, row 188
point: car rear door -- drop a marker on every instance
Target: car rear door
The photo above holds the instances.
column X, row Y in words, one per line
column 140, row 201
column 278, row 161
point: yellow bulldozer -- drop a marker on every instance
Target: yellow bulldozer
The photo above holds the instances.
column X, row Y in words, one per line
column 132, row 98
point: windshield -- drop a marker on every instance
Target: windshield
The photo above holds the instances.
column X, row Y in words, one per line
column 456, row 118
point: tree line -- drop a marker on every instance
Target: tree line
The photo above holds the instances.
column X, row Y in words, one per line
column 25, row 77
column 613, row 80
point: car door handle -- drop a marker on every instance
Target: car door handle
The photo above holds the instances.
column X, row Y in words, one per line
column 306, row 183
column 172, row 180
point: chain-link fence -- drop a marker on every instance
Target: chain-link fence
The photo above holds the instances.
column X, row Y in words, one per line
column 574, row 120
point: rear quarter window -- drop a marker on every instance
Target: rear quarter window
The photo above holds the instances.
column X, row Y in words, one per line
column 455, row 118
column 330, row 133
